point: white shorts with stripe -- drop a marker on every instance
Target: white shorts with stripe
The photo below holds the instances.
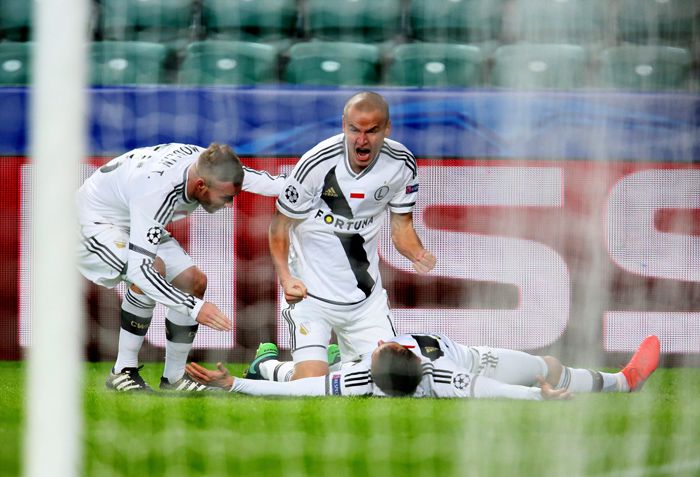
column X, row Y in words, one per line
column 103, row 250
column 357, row 327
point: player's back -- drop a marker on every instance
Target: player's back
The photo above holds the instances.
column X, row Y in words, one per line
column 107, row 193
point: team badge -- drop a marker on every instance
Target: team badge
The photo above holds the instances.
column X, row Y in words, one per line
column 380, row 193
column 154, row 235
column 460, row 380
column 291, row 194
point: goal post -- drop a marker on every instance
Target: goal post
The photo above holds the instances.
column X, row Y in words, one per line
column 52, row 439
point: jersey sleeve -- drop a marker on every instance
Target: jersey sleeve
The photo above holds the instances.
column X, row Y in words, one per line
column 316, row 386
column 298, row 192
column 405, row 197
column 149, row 214
column 262, row 182
column 447, row 381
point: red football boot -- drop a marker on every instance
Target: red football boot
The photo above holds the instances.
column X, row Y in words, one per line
column 644, row 361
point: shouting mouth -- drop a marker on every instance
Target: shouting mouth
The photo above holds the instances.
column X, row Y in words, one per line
column 363, row 154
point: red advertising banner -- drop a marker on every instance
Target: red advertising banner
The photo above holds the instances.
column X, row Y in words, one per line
column 581, row 258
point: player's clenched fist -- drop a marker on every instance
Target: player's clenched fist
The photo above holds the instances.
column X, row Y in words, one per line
column 294, row 290
column 210, row 315
column 424, row 261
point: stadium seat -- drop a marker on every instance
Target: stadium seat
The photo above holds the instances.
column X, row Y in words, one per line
column 15, row 19
column 561, row 21
column 146, row 20
column 645, row 67
column 332, row 63
column 15, row 63
column 673, row 22
column 435, row 64
column 259, row 20
column 228, row 62
column 371, row 21
column 455, row 21
column 537, row 66
column 128, row 62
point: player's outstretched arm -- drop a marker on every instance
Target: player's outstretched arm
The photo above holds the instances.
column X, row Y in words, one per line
column 550, row 394
column 408, row 243
column 210, row 315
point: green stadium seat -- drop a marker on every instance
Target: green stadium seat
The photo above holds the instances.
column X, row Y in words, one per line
column 539, row 66
column 672, row 22
column 435, row 65
column 333, row 63
column 15, row 61
column 228, row 62
column 645, row 67
column 372, row 21
column 455, row 21
column 146, row 20
column 127, row 62
column 561, row 21
column 258, row 20
column 15, row 19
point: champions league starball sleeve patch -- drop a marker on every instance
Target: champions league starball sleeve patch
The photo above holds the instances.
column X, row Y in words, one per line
column 291, row 194
column 154, row 235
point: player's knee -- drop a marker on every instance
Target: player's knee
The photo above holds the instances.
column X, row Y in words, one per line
column 310, row 369
column 554, row 369
column 159, row 265
column 199, row 284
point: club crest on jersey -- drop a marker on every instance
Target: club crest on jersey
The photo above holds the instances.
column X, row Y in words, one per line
column 412, row 188
column 343, row 223
column 460, row 380
column 154, row 235
column 291, row 194
column 380, row 193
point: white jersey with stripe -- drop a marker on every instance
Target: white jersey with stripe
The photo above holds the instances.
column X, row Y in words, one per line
column 333, row 248
column 142, row 191
column 443, row 377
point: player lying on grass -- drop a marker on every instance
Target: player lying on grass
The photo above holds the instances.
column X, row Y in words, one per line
column 421, row 365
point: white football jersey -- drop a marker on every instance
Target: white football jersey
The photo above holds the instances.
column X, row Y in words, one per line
column 333, row 250
column 141, row 192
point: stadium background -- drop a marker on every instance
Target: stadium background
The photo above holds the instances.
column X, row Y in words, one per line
column 561, row 132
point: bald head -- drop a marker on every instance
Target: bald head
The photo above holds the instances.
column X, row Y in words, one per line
column 367, row 101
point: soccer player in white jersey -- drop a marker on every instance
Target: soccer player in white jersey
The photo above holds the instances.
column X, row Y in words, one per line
column 423, row 365
column 323, row 236
column 123, row 209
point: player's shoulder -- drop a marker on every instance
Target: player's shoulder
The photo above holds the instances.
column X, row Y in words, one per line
column 320, row 158
column 352, row 379
column 396, row 151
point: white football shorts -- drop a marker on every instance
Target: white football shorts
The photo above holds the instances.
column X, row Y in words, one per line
column 358, row 327
column 103, row 250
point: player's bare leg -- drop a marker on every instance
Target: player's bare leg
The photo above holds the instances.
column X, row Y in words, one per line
column 310, row 369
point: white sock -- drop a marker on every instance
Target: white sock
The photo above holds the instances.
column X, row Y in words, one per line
column 274, row 370
column 141, row 307
column 175, row 360
column 579, row 380
column 180, row 334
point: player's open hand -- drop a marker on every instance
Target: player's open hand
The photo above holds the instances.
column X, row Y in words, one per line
column 210, row 315
column 551, row 394
column 424, row 261
column 220, row 378
column 294, row 290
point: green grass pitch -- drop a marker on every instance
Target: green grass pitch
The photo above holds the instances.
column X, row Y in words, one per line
column 654, row 432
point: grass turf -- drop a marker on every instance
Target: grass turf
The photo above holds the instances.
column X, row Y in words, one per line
column 654, row 432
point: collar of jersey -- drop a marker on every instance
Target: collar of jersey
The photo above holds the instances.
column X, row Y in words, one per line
column 184, row 189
